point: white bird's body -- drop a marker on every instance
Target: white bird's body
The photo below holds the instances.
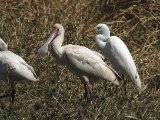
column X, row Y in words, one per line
column 3, row 45
column 16, row 66
column 13, row 67
column 117, row 52
column 85, row 63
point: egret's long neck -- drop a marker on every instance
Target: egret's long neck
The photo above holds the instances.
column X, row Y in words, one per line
column 100, row 41
column 106, row 33
column 57, row 44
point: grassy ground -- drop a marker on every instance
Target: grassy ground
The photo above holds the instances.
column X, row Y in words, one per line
column 25, row 24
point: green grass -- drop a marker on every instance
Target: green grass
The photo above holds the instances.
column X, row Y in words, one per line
column 25, row 25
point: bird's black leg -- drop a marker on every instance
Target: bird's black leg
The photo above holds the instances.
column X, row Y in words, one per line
column 124, row 84
column 86, row 91
column 125, row 87
column 8, row 81
column 122, row 76
column 13, row 92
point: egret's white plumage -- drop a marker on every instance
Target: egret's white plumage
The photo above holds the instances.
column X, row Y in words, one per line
column 117, row 52
column 85, row 63
column 13, row 67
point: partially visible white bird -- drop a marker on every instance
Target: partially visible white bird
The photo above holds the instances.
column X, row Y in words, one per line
column 117, row 52
column 13, row 67
column 85, row 63
column 3, row 45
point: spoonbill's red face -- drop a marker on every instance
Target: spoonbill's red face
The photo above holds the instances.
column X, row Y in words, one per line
column 55, row 30
column 54, row 33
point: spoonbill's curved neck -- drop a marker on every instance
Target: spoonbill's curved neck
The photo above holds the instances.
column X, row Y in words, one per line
column 57, row 44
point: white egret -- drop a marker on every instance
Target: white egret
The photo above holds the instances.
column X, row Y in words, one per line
column 13, row 67
column 85, row 63
column 117, row 52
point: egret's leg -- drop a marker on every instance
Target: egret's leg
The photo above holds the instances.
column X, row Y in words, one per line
column 124, row 84
column 122, row 76
column 125, row 87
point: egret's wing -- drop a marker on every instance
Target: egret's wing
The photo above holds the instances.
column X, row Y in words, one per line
column 118, row 53
column 121, row 59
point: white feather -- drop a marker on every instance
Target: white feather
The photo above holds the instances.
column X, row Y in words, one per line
column 14, row 66
column 82, row 61
column 117, row 52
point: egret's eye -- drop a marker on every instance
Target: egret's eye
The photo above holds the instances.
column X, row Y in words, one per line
column 136, row 77
column 98, row 27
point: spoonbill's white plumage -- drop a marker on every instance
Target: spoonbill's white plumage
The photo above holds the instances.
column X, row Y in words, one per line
column 85, row 63
column 117, row 52
column 13, row 67
column 3, row 45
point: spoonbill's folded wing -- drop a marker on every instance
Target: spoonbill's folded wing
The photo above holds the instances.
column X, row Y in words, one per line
column 85, row 61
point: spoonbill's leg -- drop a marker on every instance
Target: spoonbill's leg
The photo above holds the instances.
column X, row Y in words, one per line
column 8, row 70
column 88, row 91
column 13, row 91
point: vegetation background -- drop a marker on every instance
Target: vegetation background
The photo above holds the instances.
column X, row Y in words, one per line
column 26, row 24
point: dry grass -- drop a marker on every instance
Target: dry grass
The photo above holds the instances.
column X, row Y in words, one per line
column 25, row 24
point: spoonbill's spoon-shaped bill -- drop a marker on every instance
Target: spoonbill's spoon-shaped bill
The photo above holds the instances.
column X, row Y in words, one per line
column 44, row 48
column 3, row 45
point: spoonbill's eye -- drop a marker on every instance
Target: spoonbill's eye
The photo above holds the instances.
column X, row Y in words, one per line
column 57, row 29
